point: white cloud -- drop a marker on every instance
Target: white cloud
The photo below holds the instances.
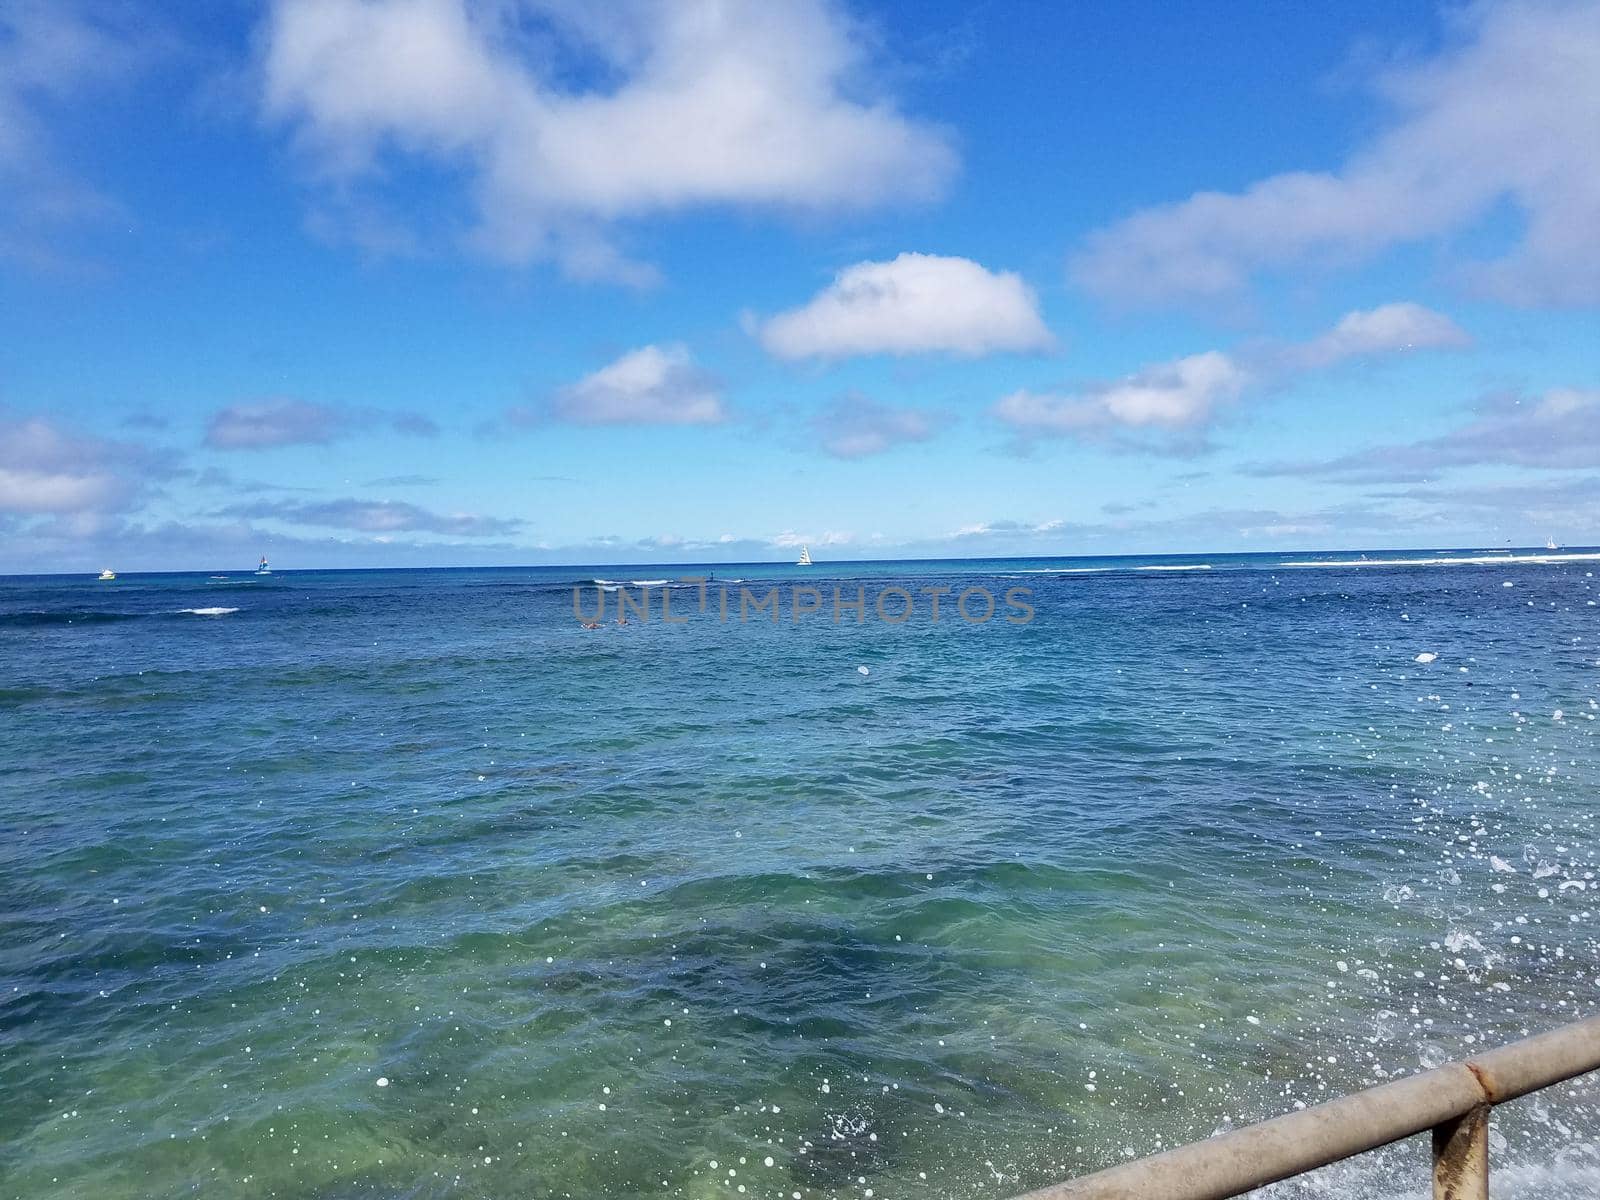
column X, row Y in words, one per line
column 856, row 427
column 1168, row 396
column 789, row 539
column 47, row 469
column 654, row 385
column 1388, row 329
column 703, row 104
column 914, row 304
column 1505, row 117
column 61, row 491
column 1186, row 394
column 1006, row 529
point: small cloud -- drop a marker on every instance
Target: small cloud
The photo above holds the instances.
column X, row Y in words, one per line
column 268, row 423
column 148, row 422
column 283, row 421
column 856, row 427
column 223, row 480
column 1006, row 530
column 402, row 481
column 1282, row 529
column 374, row 516
column 914, row 304
column 654, row 385
column 1388, row 329
column 414, row 425
column 662, row 541
column 1174, row 396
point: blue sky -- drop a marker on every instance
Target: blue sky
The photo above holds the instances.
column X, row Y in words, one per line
column 404, row 282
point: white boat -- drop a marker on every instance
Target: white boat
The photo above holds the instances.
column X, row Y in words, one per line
column 1550, row 544
column 805, row 557
column 263, row 569
column 108, row 573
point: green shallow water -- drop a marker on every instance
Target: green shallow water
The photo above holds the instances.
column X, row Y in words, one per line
column 603, row 908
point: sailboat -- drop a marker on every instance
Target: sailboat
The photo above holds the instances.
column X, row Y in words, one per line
column 1550, row 544
column 805, row 557
column 108, row 573
column 263, row 569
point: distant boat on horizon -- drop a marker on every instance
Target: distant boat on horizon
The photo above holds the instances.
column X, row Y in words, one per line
column 263, row 569
column 108, row 573
column 1550, row 544
column 805, row 557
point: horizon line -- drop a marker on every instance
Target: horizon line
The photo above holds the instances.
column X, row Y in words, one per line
column 975, row 558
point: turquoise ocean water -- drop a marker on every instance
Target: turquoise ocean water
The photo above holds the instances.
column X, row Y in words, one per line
column 404, row 884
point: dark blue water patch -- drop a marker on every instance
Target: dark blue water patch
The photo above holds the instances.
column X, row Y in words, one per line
column 32, row 620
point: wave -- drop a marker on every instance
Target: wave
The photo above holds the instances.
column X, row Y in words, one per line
column 209, row 612
column 611, row 585
column 1112, row 570
column 1477, row 560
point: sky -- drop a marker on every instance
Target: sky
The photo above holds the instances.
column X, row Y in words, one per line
column 456, row 282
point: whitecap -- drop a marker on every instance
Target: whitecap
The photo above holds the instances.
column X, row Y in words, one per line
column 209, row 612
column 1483, row 560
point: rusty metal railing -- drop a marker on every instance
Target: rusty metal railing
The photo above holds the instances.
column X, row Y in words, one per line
column 1453, row 1101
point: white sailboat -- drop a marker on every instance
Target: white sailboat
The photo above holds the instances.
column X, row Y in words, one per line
column 108, row 573
column 1550, row 544
column 805, row 557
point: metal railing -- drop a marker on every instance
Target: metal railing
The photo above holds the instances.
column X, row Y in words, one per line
column 1453, row 1101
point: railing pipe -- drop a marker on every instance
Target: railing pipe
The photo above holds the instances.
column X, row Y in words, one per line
column 1452, row 1100
column 1461, row 1157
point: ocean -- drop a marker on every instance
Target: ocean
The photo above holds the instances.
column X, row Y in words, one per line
column 405, row 884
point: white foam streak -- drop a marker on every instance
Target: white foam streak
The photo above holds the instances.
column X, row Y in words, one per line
column 1472, row 561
